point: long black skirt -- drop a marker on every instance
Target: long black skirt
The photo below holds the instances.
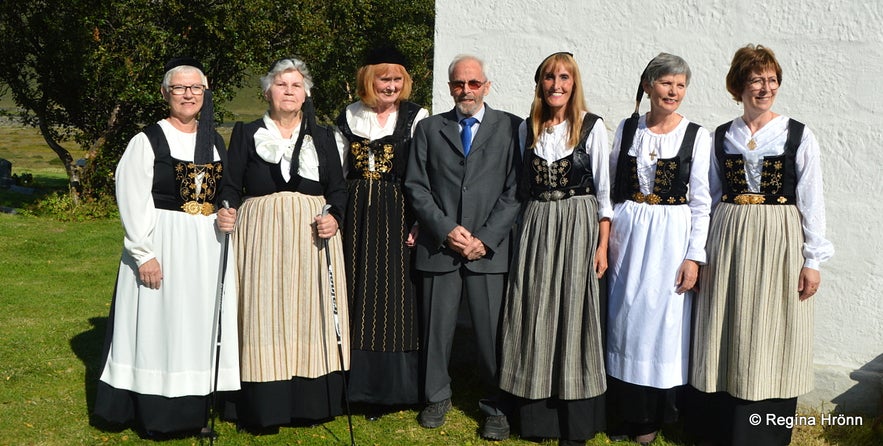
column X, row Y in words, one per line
column 298, row 401
column 578, row 420
column 384, row 378
column 639, row 410
column 726, row 420
column 151, row 413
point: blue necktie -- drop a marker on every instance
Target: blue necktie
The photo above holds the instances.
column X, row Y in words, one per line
column 466, row 134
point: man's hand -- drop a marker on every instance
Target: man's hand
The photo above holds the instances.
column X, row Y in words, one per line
column 475, row 249
column 458, row 239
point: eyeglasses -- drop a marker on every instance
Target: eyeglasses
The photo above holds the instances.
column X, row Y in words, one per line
column 474, row 84
column 757, row 83
column 178, row 90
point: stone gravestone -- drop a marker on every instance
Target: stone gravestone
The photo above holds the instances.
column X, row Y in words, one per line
column 5, row 173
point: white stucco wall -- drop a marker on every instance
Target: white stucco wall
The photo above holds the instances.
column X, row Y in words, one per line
column 831, row 52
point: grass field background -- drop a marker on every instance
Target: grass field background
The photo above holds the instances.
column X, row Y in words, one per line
column 56, row 283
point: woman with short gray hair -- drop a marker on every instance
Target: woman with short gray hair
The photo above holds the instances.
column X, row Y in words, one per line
column 657, row 242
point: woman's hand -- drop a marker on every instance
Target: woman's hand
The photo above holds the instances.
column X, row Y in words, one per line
column 150, row 274
column 326, row 226
column 687, row 275
column 808, row 282
column 411, row 241
column 226, row 219
column 600, row 261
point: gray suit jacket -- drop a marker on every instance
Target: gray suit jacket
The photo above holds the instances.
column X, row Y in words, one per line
column 446, row 189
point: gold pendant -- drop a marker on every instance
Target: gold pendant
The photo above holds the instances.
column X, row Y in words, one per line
column 751, row 144
column 653, row 155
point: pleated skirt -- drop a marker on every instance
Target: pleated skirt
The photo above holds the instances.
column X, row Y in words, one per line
column 288, row 343
column 753, row 336
column 552, row 321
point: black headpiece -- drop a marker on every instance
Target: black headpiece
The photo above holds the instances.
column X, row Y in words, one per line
column 536, row 76
column 640, row 93
column 179, row 61
column 386, row 54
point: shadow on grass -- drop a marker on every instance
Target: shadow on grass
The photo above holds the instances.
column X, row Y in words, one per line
column 23, row 196
column 89, row 348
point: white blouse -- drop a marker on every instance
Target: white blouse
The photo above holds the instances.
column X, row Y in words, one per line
column 553, row 146
column 770, row 141
column 648, row 147
column 273, row 148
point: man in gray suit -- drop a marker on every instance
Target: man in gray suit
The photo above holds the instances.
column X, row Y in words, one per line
column 461, row 184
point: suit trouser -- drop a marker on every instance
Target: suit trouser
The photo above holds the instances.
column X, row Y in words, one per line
column 442, row 292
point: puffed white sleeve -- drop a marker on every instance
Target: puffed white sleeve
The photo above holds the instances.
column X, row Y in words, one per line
column 811, row 202
column 700, row 197
column 134, row 185
column 597, row 145
column 421, row 115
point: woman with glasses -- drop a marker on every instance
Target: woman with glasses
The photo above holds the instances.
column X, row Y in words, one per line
column 657, row 242
column 374, row 136
column 160, row 350
column 752, row 352
column 552, row 361
column 284, row 172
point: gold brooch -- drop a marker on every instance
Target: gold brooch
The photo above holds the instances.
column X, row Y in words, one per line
column 649, row 199
column 749, row 199
column 195, row 207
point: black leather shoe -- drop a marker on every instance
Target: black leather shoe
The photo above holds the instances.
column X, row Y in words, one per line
column 433, row 415
column 496, row 427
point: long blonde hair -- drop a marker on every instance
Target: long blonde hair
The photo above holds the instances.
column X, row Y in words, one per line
column 576, row 106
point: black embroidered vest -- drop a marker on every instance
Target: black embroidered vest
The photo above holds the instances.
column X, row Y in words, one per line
column 567, row 177
column 778, row 177
column 672, row 174
column 174, row 180
column 390, row 152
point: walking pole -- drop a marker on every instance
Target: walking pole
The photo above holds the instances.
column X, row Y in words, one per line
column 346, row 397
column 209, row 431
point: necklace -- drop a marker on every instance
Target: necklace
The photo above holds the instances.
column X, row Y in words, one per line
column 653, row 154
column 550, row 129
column 752, row 144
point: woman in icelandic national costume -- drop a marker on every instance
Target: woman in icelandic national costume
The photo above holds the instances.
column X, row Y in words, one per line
column 284, row 170
column 660, row 222
column 552, row 361
column 160, row 350
column 374, row 136
column 752, row 350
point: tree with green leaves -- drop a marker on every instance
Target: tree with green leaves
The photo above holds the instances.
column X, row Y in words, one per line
column 88, row 71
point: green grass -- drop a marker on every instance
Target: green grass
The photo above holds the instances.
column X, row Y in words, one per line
column 56, row 283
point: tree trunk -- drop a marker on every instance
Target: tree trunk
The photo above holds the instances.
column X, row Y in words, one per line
column 66, row 158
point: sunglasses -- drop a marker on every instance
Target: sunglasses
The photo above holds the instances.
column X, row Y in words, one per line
column 474, row 84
